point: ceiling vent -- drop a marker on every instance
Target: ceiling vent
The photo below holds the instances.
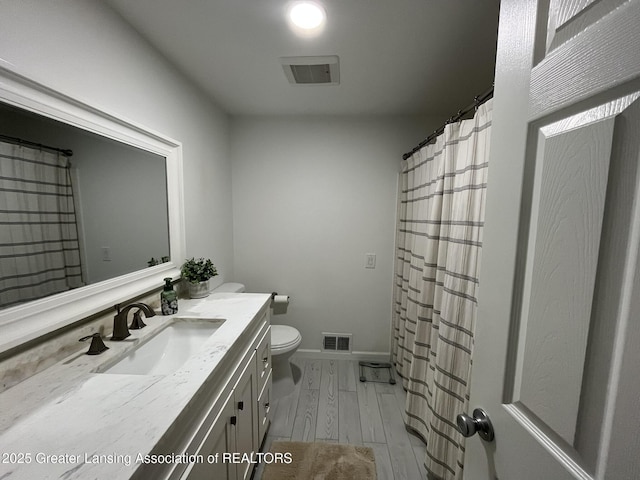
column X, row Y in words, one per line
column 312, row 70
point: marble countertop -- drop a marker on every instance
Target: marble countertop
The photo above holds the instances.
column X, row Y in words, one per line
column 69, row 422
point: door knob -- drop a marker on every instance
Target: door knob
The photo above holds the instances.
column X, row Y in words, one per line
column 478, row 423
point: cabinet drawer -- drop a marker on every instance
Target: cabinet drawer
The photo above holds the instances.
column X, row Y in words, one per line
column 265, row 412
column 263, row 358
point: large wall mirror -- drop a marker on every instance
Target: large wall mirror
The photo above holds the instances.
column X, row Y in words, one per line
column 91, row 210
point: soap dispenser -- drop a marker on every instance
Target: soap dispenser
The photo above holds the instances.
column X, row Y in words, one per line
column 168, row 298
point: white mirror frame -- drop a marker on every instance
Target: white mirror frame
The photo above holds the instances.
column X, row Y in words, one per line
column 31, row 320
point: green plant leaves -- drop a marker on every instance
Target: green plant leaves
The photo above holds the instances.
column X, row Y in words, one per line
column 196, row 271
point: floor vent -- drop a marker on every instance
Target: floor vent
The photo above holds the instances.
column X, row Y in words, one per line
column 311, row 70
column 336, row 342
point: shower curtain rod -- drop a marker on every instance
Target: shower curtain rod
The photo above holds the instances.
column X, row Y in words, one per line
column 66, row 152
column 477, row 101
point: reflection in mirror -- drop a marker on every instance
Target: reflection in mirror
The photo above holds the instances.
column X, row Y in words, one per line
column 74, row 220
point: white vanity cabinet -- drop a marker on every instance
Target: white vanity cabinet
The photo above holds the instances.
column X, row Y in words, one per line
column 205, row 419
column 236, row 421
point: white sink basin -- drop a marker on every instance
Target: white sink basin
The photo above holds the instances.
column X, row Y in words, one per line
column 167, row 350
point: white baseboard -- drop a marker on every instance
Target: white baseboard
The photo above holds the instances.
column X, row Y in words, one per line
column 355, row 355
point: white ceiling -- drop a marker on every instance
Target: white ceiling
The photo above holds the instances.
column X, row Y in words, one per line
column 426, row 57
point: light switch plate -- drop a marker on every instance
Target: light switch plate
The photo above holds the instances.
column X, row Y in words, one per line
column 369, row 260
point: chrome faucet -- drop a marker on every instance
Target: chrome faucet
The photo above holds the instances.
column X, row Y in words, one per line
column 120, row 327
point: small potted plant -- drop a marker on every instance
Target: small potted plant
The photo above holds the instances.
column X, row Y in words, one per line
column 197, row 274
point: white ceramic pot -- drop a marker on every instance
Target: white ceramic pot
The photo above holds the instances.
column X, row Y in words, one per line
column 198, row 290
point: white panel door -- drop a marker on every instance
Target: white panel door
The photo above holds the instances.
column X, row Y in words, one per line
column 556, row 352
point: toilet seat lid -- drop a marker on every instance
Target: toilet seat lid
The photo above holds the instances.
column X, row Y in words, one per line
column 283, row 336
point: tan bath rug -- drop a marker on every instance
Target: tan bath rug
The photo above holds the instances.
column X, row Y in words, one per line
column 321, row 461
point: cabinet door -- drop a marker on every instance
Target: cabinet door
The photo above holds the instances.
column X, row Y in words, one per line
column 220, row 439
column 264, row 409
column 246, row 403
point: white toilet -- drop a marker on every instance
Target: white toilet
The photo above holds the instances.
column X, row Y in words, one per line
column 229, row 288
column 285, row 340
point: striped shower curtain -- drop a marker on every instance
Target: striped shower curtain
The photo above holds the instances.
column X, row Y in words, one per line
column 39, row 250
column 438, row 246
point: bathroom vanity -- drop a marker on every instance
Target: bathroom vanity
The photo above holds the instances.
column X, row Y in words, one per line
column 118, row 415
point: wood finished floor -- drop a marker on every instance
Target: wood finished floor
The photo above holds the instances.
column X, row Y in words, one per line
column 330, row 404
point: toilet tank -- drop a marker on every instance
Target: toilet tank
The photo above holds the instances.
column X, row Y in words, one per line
column 229, row 288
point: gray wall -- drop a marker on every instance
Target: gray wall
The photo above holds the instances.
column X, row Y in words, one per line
column 311, row 196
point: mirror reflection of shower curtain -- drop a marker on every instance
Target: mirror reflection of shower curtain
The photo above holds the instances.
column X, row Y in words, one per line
column 39, row 249
column 438, row 248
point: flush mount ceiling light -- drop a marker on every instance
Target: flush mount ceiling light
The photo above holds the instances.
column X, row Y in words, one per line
column 306, row 18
